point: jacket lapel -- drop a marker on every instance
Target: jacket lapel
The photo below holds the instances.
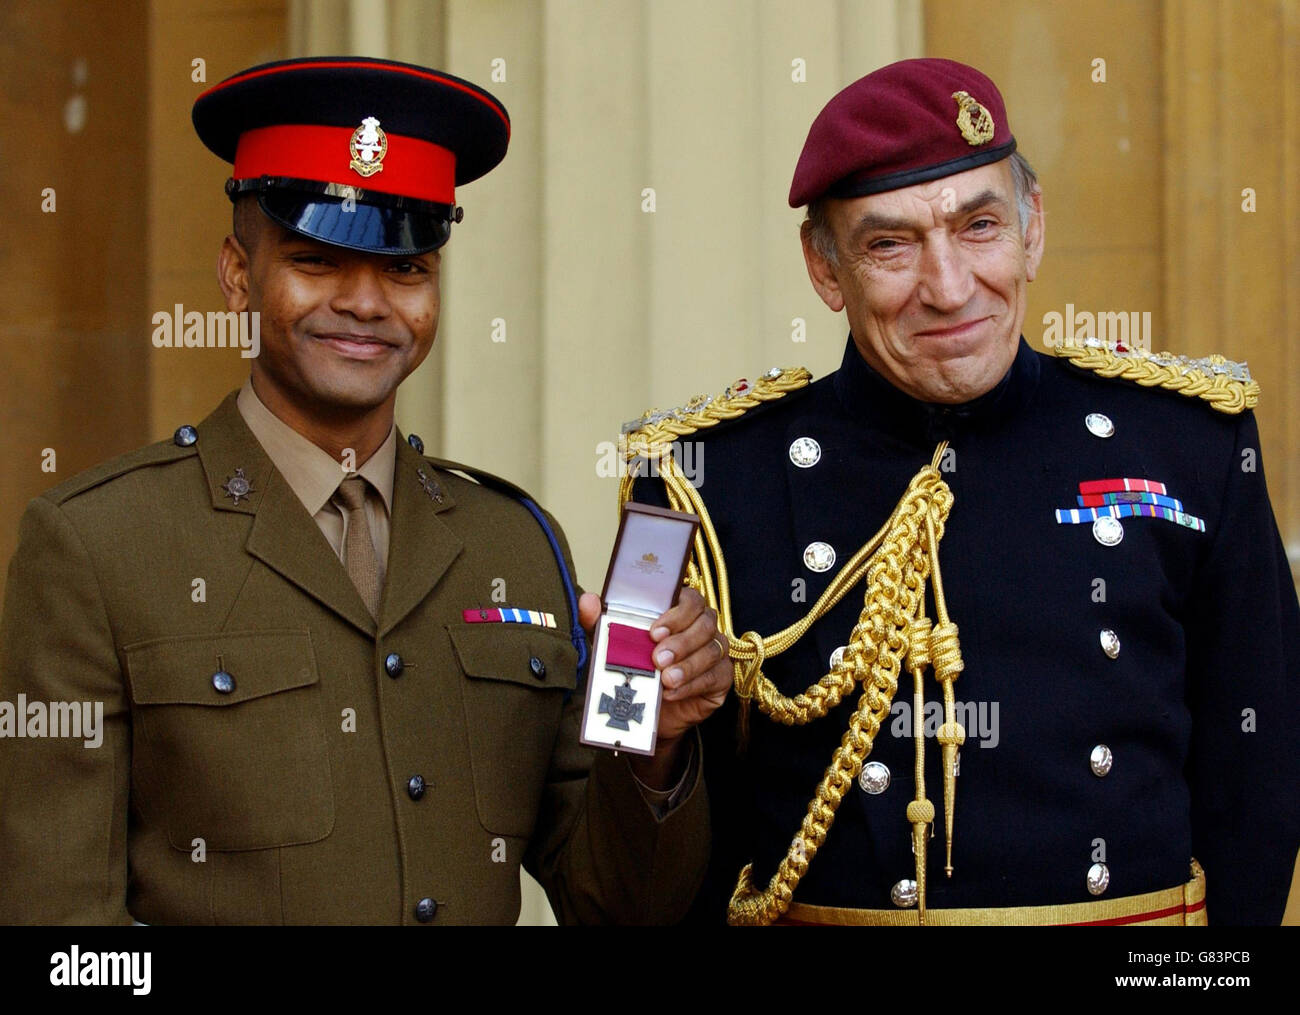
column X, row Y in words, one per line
column 283, row 536
column 421, row 547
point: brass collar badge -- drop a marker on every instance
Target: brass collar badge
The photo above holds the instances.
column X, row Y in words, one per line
column 237, row 486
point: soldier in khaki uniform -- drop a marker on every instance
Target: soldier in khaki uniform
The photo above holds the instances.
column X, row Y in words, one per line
column 329, row 734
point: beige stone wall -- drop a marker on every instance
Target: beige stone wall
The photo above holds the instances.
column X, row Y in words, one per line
column 188, row 213
column 73, row 370
column 609, row 307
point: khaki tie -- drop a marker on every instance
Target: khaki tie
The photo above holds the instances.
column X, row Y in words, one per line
column 358, row 548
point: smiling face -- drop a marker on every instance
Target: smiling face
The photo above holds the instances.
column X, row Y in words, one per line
column 340, row 329
column 933, row 280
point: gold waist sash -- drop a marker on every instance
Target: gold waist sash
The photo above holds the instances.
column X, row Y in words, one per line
column 1183, row 906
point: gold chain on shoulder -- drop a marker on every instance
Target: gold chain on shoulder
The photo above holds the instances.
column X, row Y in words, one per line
column 1225, row 384
column 892, row 628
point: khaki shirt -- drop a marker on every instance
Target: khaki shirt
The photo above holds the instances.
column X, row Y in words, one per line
column 314, row 476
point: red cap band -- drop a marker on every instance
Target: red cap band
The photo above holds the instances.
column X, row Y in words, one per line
column 410, row 167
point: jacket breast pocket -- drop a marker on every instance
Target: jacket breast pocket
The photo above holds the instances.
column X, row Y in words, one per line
column 517, row 681
column 228, row 742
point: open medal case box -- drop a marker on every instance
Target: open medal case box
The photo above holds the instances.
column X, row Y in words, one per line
column 645, row 576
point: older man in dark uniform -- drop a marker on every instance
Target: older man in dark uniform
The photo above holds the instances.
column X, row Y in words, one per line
column 1015, row 639
column 314, row 707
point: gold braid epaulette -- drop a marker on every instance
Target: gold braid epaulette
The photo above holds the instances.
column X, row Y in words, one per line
column 657, row 428
column 1225, row 384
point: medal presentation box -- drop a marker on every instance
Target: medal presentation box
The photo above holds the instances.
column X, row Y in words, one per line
column 645, row 576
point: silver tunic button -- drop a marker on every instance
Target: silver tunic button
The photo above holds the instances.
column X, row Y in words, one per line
column 1098, row 878
column 904, row 893
column 1110, row 643
column 1099, row 425
column 185, row 436
column 1107, row 530
column 805, row 452
column 874, row 778
column 819, row 556
column 1101, row 759
column 837, row 656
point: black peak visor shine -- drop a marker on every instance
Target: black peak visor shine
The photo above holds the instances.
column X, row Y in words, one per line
column 364, row 227
column 370, row 222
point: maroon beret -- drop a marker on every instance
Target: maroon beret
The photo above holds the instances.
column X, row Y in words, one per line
column 906, row 123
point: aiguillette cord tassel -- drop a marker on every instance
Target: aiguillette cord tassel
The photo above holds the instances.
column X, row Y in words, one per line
column 946, row 652
column 920, row 812
column 746, row 676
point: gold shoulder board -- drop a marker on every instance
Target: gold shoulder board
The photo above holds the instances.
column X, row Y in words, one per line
column 656, row 429
column 1225, row 384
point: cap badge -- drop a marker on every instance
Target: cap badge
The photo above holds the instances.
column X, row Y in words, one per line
column 973, row 120
column 368, row 146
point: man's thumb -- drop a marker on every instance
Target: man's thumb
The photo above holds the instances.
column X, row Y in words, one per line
column 588, row 611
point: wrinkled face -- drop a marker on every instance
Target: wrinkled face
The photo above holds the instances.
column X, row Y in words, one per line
column 340, row 329
column 933, row 280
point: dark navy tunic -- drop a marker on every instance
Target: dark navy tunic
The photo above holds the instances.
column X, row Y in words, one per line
column 1198, row 708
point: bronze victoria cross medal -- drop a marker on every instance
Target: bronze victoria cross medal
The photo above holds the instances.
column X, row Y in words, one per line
column 620, row 708
column 368, row 146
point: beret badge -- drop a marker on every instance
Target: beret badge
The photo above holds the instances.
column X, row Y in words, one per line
column 973, row 120
column 369, row 145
